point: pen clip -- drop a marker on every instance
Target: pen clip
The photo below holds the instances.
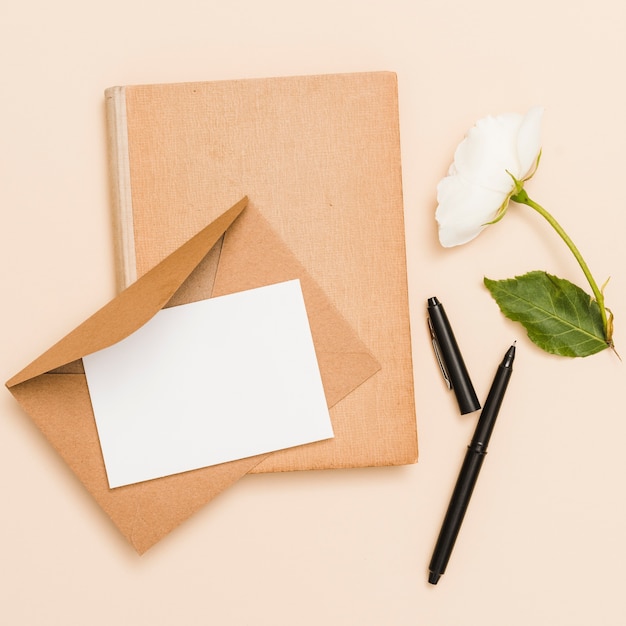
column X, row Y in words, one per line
column 442, row 366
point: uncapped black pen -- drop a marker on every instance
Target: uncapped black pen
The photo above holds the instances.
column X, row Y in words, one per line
column 470, row 469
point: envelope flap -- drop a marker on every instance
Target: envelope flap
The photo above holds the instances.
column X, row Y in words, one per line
column 254, row 255
column 134, row 306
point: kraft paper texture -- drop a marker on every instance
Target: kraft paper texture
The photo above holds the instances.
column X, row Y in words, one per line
column 57, row 398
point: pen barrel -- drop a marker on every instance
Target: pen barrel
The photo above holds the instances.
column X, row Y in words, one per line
column 456, row 510
column 488, row 416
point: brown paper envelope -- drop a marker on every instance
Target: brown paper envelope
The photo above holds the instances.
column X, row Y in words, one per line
column 59, row 404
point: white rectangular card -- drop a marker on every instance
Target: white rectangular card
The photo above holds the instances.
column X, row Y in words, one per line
column 208, row 382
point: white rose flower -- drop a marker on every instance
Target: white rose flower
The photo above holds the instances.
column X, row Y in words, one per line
column 490, row 165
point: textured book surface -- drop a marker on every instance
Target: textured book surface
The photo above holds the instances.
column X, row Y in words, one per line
column 319, row 159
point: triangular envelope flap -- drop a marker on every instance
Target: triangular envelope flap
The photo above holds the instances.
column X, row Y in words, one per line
column 254, row 255
column 134, row 306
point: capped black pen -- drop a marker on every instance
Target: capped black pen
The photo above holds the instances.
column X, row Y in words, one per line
column 470, row 469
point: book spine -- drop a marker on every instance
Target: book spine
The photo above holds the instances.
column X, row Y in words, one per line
column 121, row 195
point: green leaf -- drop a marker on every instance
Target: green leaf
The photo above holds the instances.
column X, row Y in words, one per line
column 558, row 316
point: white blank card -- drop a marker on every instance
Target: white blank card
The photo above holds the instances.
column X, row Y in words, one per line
column 208, row 382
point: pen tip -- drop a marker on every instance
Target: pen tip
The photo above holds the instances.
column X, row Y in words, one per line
column 433, row 578
column 507, row 361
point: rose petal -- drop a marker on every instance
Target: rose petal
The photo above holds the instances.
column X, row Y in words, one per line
column 489, row 151
column 464, row 209
column 529, row 141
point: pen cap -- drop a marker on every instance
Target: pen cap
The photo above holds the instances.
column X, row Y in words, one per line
column 451, row 358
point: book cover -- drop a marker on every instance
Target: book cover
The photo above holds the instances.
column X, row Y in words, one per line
column 319, row 159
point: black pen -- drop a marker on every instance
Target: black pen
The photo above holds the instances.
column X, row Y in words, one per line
column 468, row 475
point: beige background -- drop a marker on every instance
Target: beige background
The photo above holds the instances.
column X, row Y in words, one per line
column 544, row 540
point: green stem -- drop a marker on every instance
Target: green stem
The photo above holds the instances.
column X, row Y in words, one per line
column 522, row 198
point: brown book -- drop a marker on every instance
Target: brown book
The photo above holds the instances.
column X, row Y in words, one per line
column 319, row 159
